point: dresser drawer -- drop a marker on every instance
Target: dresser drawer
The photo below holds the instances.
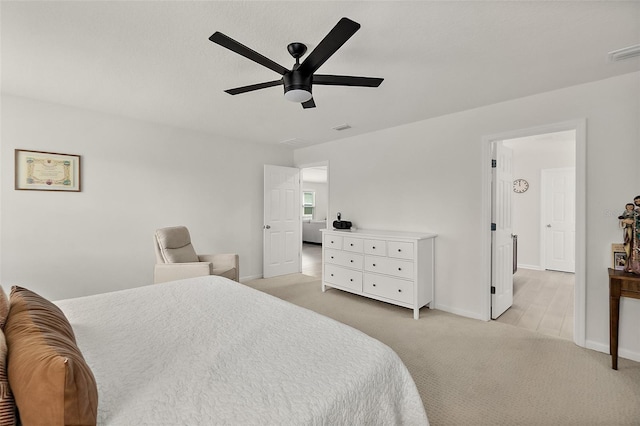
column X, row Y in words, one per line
column 388, row 287
column 375, row 247
column 343, row 258
column 400, row 250
column 343, row 277
column 384, row 265
column 352, row 244
column 332, row 241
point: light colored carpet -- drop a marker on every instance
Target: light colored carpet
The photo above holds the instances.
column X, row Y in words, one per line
column 471, row 372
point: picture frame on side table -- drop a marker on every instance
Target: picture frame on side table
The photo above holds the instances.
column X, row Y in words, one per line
column 46, row 171
column 619, row 256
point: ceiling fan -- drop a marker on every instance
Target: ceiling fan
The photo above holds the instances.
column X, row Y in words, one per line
column 298, row 81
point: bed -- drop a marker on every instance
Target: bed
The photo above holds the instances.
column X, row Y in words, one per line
column 208, row 350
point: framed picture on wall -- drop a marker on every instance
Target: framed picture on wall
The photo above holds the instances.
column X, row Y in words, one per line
column 46, row 171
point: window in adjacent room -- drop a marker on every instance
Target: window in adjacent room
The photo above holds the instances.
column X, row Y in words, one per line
column 308, row 204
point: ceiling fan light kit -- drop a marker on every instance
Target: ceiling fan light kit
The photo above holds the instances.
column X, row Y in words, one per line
column 297, row 87
column 298, row 81
column 297, row 95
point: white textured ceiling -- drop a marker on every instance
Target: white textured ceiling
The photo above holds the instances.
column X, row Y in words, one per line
column 153, row 60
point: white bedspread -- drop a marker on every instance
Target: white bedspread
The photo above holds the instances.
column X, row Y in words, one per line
column 209, row 351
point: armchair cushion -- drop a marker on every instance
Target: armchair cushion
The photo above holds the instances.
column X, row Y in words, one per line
column 164, row 272
column 175, row 245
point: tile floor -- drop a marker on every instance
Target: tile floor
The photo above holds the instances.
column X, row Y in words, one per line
column 312, row 259
column 542, row 300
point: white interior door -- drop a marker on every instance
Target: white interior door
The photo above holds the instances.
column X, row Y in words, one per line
column 281, row 229
column 558, row 213
column 501, row 236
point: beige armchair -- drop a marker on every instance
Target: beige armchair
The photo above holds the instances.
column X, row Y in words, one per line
column 177, row 259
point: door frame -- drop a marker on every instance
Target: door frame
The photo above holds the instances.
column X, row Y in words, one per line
column 580, row 127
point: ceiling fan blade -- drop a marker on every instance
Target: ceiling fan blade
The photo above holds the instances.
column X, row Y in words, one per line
column 252, row 87
column 241, row 49
column 338, row 36
column 346, row 80
column 309, row 104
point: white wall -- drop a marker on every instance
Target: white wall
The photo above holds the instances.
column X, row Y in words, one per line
column 427, row 176
column 136, row 177
column 530, row 156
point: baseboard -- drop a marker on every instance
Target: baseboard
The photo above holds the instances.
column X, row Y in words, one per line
column 461, row 312
column 249, row 278
column 604, row 348
column 532, row 267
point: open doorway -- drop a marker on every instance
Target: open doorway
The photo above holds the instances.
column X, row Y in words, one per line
column 315, row 211
column 543, row 218
column 488, row 142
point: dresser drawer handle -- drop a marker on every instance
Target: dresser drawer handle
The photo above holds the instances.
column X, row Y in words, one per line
column 374, row 285
column 399, row 250
column 399, row 269
column 351, row 261
column 351, row 279
column 374, row 247
column 374, row 264
column 351, row 244
column 331, row 274
column 399, row 290
column 332, row 257
column 332, row 242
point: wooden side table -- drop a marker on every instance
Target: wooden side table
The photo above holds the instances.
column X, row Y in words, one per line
column 621, row 284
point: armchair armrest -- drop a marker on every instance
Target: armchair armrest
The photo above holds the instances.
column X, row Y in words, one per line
column 164, row 272
column 220, row 260
column 223, row 262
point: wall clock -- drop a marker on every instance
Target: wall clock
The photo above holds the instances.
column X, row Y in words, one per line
column 520, row 186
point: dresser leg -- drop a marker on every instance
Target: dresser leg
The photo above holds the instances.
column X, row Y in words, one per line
column 416, row 313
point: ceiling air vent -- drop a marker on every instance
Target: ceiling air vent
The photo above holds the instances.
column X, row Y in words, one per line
column 294, row 142
column 625, row 53
column 341, row 127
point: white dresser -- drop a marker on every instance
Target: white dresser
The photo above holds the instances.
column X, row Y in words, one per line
column 394, row 267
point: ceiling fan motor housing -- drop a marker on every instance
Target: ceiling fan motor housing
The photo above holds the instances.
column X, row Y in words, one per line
column 295, row 80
